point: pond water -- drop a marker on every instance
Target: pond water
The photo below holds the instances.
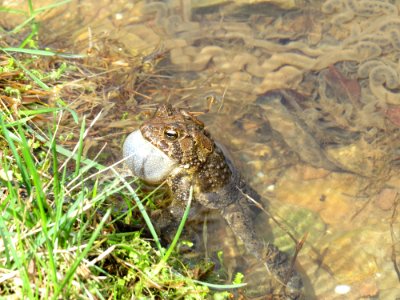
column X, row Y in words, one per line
column 305, row 96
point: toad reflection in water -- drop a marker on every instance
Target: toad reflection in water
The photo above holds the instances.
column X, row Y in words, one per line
column 174, row 146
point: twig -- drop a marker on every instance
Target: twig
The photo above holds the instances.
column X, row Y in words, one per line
column 281, row 226
column 393, row 256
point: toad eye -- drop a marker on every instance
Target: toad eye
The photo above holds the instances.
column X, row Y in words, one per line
column 171, row 134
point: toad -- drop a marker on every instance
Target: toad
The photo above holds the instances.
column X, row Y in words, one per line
column 174, row 147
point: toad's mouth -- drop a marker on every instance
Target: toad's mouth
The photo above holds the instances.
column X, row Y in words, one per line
column 145, row 160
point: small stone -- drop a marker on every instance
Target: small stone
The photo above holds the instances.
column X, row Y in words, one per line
column 271, row 187
column 342, row 289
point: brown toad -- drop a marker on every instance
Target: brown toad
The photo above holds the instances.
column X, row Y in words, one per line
column 174, row 146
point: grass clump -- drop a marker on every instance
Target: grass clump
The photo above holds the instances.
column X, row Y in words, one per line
column 57, row 237
column 59, row 218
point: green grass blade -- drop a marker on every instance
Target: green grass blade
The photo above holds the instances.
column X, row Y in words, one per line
column 180, row 228
column 221, row 286
column 34, row 26
column 65, row 152
column 40, row 200
column 30, row 5
column 32, row 76
column 71, row 271
column 12, row 10
column 4, row 208
column 142, row 210
column 30, row 114
column 80, row 148
column 39, row 111
column 58, row 191
column 52, row 5
column 18, row 160
column 33, row 13
column 22, row 25
column 42, row 52
column 28, row 39
column 71, row 111
column 26, row 154
column 13, row 255
column 18, row 258
column 30, row 51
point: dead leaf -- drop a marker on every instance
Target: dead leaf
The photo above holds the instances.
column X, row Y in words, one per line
column 343, row 87
column 393, row 114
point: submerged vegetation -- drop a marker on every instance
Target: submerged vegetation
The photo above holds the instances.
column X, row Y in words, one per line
column 59, row 231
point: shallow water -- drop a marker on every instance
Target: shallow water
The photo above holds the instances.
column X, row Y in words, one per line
column 306, row 98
